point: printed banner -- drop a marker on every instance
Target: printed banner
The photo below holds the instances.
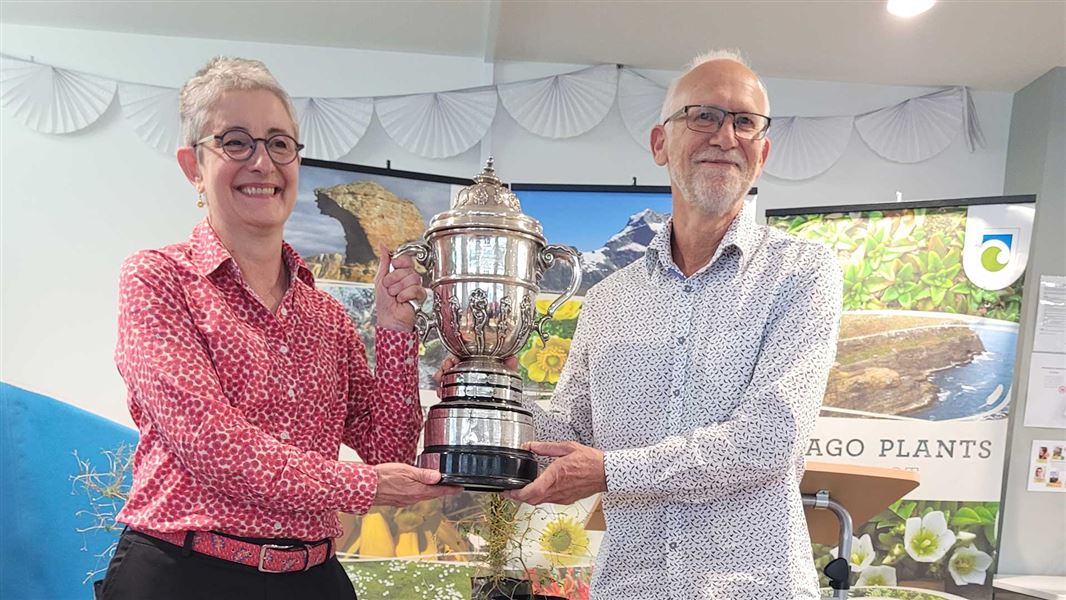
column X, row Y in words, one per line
column 922, row 381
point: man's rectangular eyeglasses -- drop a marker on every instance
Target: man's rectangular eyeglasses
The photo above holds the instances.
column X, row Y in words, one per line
column 709, row 119
column 239, row 145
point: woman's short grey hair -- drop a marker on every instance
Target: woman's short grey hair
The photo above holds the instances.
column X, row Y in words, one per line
column 222, row 74
column 732, row 54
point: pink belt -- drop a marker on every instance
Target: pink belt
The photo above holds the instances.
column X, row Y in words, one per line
column 268, row 558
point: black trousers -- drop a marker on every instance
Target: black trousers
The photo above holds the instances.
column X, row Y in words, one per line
column 145, row 568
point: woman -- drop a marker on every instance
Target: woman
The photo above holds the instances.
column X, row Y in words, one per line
column 244, row 379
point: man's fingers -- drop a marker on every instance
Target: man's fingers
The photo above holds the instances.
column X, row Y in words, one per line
column 554, row 449
column 538, row 491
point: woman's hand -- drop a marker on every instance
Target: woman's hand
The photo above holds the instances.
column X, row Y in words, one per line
column 394, row 289
column 403, row 485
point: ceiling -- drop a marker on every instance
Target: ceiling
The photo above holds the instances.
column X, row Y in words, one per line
column 985, row 44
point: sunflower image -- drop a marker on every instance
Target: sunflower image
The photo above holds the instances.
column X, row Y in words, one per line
column 569, row 309
column 544, row 362
column 564, row 541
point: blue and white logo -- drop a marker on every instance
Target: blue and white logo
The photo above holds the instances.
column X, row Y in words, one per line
column 995, row 251
column 996, row 248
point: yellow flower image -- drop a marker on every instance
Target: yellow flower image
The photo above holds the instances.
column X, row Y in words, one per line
column 544, row 362
column 567, row 311
column 564, row 542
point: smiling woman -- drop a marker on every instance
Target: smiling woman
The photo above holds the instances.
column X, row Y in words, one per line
column 244, row 379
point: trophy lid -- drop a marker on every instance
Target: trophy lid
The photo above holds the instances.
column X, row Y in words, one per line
column 487, row 203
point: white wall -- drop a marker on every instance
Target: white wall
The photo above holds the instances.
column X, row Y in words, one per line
column 73, row 206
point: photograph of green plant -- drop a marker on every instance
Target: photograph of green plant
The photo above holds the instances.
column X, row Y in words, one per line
column 946, row 546
column 908, row 260
column 917, row 338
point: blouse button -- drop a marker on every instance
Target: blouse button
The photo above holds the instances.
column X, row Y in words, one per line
column 284, row 349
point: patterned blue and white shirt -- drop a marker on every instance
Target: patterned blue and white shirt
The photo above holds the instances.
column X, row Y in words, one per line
column 702, row 392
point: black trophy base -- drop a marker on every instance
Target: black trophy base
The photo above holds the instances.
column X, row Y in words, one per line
column 481, row 468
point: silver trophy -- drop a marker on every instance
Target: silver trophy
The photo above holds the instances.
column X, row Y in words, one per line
column 486, row 260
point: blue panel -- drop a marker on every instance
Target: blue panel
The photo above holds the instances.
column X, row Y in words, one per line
column 43, row 555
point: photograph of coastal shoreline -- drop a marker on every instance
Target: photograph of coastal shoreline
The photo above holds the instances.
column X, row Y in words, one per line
column 918, row 339
column 933, row 366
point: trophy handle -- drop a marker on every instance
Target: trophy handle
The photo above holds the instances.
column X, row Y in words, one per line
column 547, row 258
column 423, row 256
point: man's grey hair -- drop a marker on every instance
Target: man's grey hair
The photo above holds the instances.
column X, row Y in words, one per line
column 222, row 74
column 732, row 54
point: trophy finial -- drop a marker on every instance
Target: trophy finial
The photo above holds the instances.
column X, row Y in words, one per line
column 488, row 173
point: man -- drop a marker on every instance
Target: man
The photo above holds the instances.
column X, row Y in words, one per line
column 696, row 373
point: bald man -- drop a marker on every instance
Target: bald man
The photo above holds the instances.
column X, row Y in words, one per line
column 697, row 372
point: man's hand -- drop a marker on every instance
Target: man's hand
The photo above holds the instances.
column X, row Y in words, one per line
column 576, row 473
column 403, row 485
column 511, row 362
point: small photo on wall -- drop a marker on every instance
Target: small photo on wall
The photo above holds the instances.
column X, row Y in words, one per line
column 1047, row 467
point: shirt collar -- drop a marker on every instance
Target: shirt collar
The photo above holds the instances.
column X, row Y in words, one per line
column 208, row 254
column 742, row 234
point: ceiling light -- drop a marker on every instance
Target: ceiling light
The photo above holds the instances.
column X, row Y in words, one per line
column 909, row 8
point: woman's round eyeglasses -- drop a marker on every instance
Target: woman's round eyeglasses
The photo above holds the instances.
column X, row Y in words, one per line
column 240, row 145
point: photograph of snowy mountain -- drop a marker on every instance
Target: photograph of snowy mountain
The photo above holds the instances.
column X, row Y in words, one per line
column 609, row 229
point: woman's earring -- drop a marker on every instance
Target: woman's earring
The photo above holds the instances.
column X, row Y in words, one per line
column 200, row 202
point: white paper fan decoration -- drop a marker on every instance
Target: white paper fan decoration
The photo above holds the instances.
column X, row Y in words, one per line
column 803, row 147
column 51, row 100
column 331, row 127
column 562, row 106
column 640, row 100
column 153, row 111
column 974, row 135
column 916, row 129
column 438, row 125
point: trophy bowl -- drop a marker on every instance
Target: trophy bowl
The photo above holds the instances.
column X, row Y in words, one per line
column 486, row 260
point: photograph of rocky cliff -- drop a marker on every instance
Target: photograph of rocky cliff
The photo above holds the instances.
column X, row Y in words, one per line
column 342, row 218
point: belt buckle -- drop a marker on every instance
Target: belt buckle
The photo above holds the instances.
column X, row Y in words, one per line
column 263, row 550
